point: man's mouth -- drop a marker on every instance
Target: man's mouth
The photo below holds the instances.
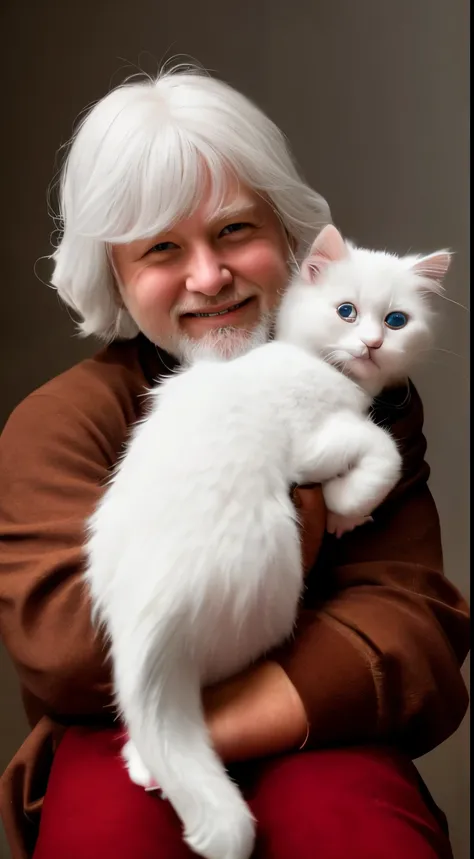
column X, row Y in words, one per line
column 229, row 309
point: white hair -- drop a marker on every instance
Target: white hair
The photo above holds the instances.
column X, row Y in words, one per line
column 135, row 167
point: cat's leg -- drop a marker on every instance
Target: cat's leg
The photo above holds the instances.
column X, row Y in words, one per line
column 159, row 694
column 358, row 465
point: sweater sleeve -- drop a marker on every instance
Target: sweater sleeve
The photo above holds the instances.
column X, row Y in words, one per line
column 383, row 634
column 53, row 464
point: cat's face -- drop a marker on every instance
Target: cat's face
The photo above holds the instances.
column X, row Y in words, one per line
column 368, row 318
column 366, row 312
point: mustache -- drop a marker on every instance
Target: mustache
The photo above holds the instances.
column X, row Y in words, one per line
column 207, row 303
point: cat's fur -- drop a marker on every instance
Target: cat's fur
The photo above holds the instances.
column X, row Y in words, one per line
column 194, row 551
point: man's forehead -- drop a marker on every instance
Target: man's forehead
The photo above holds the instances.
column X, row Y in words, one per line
column 235, row 202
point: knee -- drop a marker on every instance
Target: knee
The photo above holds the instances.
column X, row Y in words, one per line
column 361, row 803
column 92, row 809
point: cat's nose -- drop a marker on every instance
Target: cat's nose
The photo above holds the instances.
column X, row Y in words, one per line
column 373, row 342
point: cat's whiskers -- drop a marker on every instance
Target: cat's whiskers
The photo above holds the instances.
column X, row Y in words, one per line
column 444, row 364
column 438, row 349
column 452, row 301
column 331, row 358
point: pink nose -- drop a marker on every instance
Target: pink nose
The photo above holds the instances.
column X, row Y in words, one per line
column 373, row 342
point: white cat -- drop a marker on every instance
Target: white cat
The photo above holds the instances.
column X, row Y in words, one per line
column 194, row 551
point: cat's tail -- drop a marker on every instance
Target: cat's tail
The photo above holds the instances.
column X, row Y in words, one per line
column 365, row 459
column 164, row 716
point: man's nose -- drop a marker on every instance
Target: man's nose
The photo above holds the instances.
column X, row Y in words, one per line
column 207, row 274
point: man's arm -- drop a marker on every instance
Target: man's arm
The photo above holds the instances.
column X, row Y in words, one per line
column 259, row 712
column 54, row 462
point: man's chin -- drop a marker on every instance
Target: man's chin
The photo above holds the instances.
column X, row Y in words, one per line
column 223, row 344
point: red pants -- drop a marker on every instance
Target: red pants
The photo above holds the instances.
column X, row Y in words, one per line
column 360, row 803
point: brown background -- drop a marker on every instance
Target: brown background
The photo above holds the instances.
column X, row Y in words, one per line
column 373, row 95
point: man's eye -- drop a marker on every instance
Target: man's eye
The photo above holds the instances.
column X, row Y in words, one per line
column 234, row 228
column 162, row 247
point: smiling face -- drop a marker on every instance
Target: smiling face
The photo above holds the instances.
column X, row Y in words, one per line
column 212, row 282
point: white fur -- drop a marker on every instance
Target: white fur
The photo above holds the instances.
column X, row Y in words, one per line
column 377, row 283
column 194, row 552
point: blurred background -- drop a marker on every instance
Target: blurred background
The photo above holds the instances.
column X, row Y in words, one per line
column 374, row 97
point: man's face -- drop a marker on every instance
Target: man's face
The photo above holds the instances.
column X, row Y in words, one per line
column 211, row 282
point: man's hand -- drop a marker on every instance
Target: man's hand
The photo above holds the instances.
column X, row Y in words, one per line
column 254, row 714
column 311, row 509
column 340, row 525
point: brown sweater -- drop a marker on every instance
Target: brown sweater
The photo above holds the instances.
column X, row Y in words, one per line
column 379, row 641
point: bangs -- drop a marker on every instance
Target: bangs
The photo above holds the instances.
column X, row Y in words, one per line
column 156, row 181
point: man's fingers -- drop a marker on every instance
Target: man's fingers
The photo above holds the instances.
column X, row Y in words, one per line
column 309, row 503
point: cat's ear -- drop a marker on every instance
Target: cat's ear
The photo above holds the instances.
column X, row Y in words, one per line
column 329, row 246
column 433, row 268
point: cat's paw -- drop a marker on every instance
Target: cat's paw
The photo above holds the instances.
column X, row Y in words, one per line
column 136, row 768
column 339, row 525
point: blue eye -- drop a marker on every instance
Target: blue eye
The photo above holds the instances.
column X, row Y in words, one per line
column 396, row 319
column 347, row 312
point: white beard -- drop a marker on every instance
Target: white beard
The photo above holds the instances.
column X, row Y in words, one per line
column 223, row 343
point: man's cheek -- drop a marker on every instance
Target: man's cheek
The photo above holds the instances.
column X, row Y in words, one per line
column 151, row 296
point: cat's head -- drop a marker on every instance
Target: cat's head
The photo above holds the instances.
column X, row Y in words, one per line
column 367, row 312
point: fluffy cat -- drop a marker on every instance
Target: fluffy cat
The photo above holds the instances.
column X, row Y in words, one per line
column 194, row 562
